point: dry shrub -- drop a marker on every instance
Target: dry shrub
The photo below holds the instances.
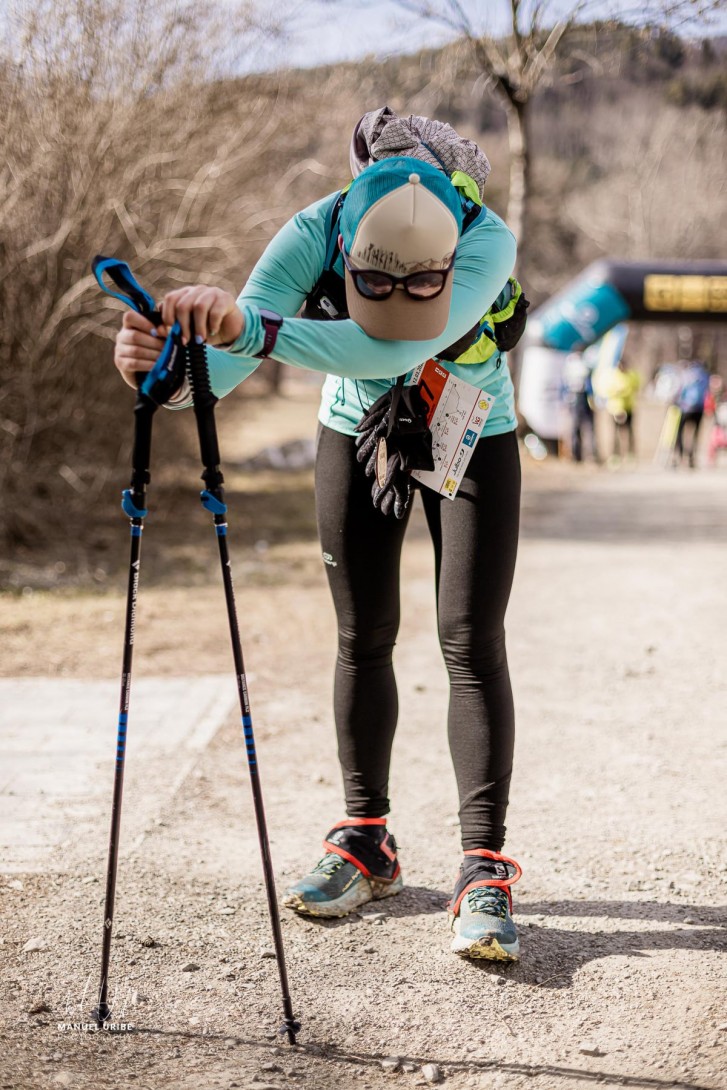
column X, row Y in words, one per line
column 116, row 140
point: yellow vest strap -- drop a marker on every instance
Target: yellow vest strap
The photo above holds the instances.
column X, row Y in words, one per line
column 468, row 185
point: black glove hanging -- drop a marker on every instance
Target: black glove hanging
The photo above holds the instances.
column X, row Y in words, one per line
column 394, row 439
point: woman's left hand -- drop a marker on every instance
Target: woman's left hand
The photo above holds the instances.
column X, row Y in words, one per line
column 217, row 318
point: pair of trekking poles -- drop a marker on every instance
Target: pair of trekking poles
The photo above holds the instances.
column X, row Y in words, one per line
column 176, row 362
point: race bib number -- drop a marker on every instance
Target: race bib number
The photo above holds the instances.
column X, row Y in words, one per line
column 456, row 415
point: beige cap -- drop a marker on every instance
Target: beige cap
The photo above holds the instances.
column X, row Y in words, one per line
column 409, row 229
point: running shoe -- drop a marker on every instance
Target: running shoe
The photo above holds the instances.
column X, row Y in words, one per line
column 481, row 908
column 360, row 865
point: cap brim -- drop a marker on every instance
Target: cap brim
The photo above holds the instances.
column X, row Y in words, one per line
column 400, row 318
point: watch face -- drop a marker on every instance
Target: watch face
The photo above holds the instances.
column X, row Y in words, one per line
column 271, row 317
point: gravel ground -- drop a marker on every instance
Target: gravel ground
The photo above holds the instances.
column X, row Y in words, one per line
column 617, row 645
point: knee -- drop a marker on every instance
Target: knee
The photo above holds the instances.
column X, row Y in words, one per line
column 470, row 651
column 367, row 644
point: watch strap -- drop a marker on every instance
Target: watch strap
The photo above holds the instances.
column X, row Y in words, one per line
column 271, row 324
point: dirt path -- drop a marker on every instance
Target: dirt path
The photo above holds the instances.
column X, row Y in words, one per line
column 616, row 636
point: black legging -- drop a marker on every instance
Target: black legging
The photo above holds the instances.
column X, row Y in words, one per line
column 475, row 545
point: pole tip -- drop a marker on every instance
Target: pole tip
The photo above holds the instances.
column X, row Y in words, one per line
column 290, row 1026
column 101, row 1013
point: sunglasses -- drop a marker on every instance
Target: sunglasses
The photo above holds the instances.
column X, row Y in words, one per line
column 380, row 285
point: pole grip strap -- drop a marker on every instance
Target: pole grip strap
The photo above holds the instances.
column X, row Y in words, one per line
column 131, row 291
column 167, row 374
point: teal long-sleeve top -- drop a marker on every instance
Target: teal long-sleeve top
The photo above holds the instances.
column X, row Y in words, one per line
column 360, row 368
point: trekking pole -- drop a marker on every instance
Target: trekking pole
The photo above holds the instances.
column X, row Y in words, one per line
column 153, row 389
column 213, row 500
column 134, row 499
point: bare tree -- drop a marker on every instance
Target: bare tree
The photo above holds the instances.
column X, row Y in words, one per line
column 516, row 54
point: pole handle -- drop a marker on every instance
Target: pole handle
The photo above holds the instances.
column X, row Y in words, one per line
column 204, row 411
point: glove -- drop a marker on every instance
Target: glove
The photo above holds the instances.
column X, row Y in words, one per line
column 391, row 447
column 395, row 492
column 509, row 331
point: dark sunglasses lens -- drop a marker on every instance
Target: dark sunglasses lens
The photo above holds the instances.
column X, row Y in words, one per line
column 425, row 285
column 374, row 285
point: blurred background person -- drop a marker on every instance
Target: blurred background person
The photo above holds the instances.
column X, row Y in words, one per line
column 690, row 400
column 621, row 390
column 715, row 405
column 578, row 397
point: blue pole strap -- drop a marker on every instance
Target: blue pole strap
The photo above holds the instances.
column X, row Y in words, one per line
column 167, row 367
column 167, row 374
column 133, row 295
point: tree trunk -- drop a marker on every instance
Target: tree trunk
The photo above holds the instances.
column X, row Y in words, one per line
column 519, row 197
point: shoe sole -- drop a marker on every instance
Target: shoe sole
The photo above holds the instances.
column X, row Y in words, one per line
column 488, row 950
column 349, row 902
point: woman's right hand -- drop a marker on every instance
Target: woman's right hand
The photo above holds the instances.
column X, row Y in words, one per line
column 138, row 346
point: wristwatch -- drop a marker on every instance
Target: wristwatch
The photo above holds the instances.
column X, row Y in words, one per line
column 271, row 324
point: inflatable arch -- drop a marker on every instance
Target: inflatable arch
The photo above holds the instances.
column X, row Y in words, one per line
column 606, row 294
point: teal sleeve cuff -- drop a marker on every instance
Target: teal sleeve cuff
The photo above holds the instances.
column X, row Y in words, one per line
column 252, row 338
column 227, row 370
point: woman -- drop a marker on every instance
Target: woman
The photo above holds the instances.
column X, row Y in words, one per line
column 421, row 260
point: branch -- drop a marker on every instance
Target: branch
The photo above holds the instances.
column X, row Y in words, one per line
column 536, row 67
column 296, row 170
column 457, row 21
column 463, row 20
column 127, row 225
column 202, row 242
column 517, row 36
column 490, row 59
column 59, row 312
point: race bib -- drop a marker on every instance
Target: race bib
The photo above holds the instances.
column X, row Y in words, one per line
column 456, row 414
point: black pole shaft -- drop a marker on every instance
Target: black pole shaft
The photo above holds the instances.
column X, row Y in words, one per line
column 213, row 500
column 290, row 1023
column 102, row 1011
column 134, row 500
